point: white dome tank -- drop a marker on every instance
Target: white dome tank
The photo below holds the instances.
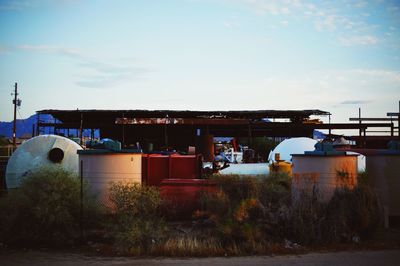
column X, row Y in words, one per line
column 41, row 151
column 292, row 146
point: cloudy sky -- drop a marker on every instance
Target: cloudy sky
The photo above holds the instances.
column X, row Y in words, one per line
column 335, row 56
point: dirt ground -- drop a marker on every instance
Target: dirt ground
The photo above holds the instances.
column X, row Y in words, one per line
column 365, row 258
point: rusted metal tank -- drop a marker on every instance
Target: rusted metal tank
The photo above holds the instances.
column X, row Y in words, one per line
column 207, row 147
column 320, row 172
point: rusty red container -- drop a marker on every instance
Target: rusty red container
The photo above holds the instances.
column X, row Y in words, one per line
column 183, row 195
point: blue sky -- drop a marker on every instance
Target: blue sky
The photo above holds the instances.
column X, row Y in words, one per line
column 201, row 55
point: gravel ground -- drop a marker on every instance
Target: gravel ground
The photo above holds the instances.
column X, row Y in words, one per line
column 365, row 258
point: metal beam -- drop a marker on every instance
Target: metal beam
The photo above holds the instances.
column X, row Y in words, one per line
column 373, row 119
column 392, row 114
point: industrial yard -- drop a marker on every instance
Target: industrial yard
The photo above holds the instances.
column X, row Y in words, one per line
column 195, row 183
column 199, row 132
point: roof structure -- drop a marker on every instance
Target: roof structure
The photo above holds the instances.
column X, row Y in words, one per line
column 181, row 128
column 293, row 115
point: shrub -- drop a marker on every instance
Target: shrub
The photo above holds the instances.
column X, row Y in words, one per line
column 275, row 199
column 247, row 209
column 307, row 220
column 353, row 213
column 136, row 224
column 349, row 214
column 44, row 210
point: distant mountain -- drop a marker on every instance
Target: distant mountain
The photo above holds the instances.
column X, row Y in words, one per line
column 24, row 126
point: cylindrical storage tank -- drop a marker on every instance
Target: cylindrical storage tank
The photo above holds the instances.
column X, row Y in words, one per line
column 252, row 169
column 320, row 175
column 384, row 176
column 207, row 147
column 280, row 166
column 291, row 146
column 42, row 151
column 101, row 168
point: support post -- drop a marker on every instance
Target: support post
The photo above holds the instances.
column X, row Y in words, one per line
column 81, row 130
column 359, row 121
column 123, row 131
column 330, row 131
column 249, row 136
column 81, row 198
column 166, row 131
column 15, row 115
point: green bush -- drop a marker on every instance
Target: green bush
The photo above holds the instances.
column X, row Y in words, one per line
column 136, row 224
column 44, row 210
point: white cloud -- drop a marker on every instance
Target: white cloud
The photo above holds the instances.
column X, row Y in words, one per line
column 356, row 102
column 358, row 40
column 326, row 23
column 353, row 19
column 104, row 72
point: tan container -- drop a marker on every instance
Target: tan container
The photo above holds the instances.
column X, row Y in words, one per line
column 320, row 175
column 101, row 168
column 384, row 175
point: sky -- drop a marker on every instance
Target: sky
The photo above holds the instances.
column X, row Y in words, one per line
column 335, row 56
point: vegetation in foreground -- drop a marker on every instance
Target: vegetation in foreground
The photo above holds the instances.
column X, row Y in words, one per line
column 244, row 215
column 45, row 210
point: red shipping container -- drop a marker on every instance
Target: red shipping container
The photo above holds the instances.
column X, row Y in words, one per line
column 183, row 166
column 156, row 169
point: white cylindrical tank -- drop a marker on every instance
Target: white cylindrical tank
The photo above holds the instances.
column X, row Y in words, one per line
column 292, row 146
column 246, row 169
column 41, row 151
column 101, row 168
column 320, row 175
column 384, row 176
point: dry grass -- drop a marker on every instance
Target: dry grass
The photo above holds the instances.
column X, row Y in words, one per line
column 183, row 246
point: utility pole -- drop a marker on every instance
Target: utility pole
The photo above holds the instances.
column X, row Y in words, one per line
column 16, row 102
